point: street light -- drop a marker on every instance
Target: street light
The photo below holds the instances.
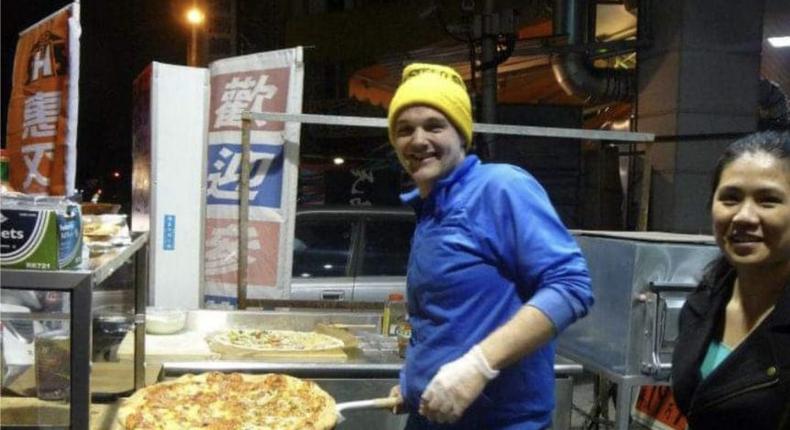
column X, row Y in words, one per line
column 195, row 17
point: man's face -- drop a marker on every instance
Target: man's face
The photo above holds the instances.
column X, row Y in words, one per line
column 428, row 145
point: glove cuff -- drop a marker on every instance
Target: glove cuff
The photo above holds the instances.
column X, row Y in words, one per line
column 479, row 359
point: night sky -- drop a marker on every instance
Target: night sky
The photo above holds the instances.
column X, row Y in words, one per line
column 119, row 39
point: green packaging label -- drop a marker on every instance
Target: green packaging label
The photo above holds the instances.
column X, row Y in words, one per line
column 40, row 239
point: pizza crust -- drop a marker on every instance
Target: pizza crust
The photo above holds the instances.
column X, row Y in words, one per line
column 288, row 391
column 294, row 344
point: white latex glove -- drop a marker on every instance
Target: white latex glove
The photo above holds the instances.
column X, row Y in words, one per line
column 456, row 386
column 395, row 392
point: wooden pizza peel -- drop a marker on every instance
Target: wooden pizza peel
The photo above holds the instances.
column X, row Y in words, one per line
column 379, row 403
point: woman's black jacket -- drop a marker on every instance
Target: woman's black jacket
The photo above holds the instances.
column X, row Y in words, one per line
column 750, row 389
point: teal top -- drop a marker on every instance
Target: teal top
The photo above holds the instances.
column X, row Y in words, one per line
column 717, row 352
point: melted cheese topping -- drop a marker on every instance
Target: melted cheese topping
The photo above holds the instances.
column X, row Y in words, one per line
column 228, row 401
column 279, row 340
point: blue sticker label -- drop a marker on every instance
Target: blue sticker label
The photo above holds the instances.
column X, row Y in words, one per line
column 169, row 242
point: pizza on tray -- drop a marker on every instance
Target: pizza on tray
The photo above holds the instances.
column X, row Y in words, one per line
column 232, row 401
column 273, row 341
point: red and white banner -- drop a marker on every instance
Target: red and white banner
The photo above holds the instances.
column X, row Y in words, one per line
column 655, row 408
column 42, row 112
column 264, row 82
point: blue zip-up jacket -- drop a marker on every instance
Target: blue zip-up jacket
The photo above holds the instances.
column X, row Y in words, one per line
column 488, row 241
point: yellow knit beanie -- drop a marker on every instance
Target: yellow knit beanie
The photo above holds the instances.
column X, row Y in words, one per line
column 439, row 87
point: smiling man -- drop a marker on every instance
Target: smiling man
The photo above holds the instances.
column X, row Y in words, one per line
column 428, row 145
column 493, row 274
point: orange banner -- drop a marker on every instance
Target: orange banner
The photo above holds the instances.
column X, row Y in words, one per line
column 39, row 106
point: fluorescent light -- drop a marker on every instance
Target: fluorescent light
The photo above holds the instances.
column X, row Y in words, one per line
column 338, row 161
column 779, row 42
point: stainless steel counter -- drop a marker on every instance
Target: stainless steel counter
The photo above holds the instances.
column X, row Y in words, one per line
column 368, row 364
column 374, row 357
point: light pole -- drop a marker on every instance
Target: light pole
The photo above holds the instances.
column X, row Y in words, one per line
column 195, row 17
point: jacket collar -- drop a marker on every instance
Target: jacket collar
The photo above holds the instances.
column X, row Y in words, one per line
column 438, row 195
column 712, row 299
column 702, row 302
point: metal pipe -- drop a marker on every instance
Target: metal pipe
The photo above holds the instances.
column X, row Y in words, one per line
column 574, row 71
column 513, row 130
column 489, row 75
column 140, row 302
column 244, row 210
column 80, row 332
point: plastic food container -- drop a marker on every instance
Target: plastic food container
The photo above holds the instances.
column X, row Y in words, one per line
column 104, row 232
column 104, row 227
column 164, row 321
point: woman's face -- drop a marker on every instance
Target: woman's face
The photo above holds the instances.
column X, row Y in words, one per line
column 751, row 211
column 427, row 145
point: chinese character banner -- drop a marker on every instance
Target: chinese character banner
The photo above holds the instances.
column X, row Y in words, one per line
column 42, row 112
column 266, row 175
column 265, row 82
column 257, row 91
column 222, row 249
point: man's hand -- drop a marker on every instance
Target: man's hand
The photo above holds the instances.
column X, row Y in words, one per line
column 400, row 408
column 456, row 386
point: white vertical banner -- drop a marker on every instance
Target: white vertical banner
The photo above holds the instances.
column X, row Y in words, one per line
column 263, row 82
column 75, row 32
column 169, row 117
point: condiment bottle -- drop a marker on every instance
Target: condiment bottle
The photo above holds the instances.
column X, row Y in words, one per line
column 5, row 184
column 403, row 331
column 394, row 312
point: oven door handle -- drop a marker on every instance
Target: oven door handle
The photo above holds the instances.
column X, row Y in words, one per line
column 656, row 314
column 681, row 287
column 651, row 359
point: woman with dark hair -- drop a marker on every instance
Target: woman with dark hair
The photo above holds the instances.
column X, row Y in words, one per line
column 731, row 365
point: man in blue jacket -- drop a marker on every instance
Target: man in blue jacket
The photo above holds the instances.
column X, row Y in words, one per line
column 493, row 274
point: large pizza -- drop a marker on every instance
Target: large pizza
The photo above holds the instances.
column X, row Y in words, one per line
column 254, row 341
column 229, row 402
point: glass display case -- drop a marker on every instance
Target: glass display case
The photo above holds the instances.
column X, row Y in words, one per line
column 60, row 329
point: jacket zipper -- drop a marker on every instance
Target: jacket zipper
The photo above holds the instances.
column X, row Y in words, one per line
column 733, row 394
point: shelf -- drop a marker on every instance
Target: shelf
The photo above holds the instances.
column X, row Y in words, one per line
column 80, row 285
column 98, row 269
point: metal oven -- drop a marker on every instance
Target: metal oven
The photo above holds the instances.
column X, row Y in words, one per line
column 640, row 281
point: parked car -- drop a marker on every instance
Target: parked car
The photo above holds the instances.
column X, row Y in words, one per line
column 351, row 253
